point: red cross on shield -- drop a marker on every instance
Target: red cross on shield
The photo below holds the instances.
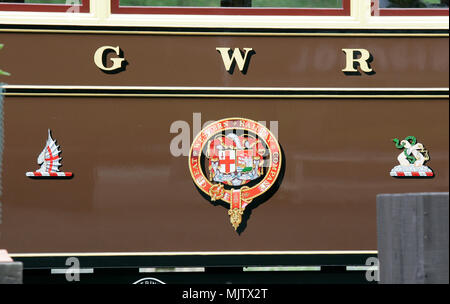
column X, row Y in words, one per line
column 227, row 161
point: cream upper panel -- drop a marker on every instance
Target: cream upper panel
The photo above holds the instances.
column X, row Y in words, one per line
column 100, row 15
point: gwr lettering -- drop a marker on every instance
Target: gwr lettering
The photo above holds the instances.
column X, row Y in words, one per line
column 242, row 62
column 118, row 63
column 354, row 58
column 352, row 61
column 243, row 293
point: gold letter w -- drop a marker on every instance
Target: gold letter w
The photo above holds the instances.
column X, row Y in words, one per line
column 242, row 62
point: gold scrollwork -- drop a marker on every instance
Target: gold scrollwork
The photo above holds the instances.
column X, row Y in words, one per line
column 216, row 192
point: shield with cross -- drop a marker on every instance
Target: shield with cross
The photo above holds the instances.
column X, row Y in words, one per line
column 227, row 161
column 235, row 160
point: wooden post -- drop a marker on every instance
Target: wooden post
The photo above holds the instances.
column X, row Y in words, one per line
column 413, row 236
column 10, row 271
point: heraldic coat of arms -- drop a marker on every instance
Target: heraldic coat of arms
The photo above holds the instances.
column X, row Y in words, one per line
column 235, row 160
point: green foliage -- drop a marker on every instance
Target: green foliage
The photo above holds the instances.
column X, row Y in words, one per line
column 255, row 3
column 259, row 3
column 418, row 3
column 51, row 1
column 407, row 3
column 298, row 3
column 200, row 3
column 3, row 72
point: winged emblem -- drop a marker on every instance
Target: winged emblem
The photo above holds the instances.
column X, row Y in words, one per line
column 49, row 160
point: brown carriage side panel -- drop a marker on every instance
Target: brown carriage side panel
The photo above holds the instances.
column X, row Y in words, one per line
column 130, row 194
column 192, row 60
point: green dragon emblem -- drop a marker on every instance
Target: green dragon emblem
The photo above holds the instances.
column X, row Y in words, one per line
column 401, row 145
column 1, row 71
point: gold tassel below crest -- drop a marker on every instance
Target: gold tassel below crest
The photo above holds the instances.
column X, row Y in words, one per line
column 236, row 217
